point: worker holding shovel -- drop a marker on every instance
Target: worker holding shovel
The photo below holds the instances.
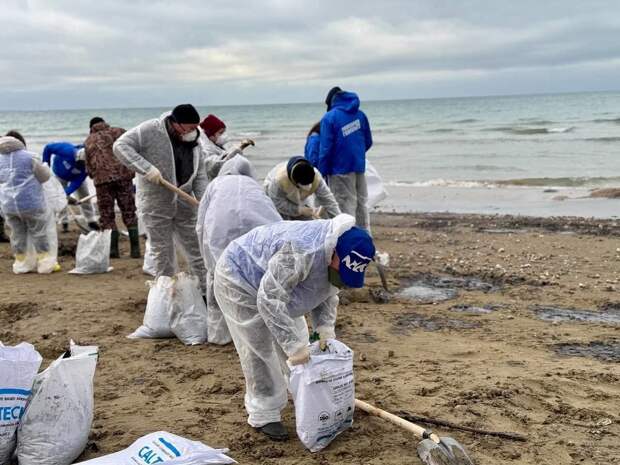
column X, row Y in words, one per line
column 163, row 152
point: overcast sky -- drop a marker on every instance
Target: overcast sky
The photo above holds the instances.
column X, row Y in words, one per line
column 144, row 53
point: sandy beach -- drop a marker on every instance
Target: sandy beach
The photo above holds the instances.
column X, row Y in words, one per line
column 527, row 341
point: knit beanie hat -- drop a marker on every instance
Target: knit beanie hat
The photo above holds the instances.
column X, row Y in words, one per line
column 185, row 114
column 211, row 124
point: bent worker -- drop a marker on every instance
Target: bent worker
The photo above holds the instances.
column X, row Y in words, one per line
column 233, row 204
column 344, row 140
column 216, row 145
column 167, row 148
column 113, row 182
column 68, row 165
column 265, row 281
column 294, row 185
column 23, row 205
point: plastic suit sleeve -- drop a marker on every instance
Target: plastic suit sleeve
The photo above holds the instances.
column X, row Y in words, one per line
column 40, row 171
column 284, row 206
column 323, row 317
column 284, row 271
column 75, row 184
column 327, row 200
column 201, row 180
column 213, row 165
column 326, row 147
column 127, row 150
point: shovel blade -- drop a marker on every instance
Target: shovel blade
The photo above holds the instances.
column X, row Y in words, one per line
column 447, row 452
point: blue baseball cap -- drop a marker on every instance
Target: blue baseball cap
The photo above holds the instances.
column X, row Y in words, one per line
column 355, row 251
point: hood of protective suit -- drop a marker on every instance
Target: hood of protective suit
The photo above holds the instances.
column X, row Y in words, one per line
column 238, row 165
column 232, row 206
column 10, row 144
column 346, row 101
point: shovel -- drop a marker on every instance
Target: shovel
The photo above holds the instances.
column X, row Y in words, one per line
column 184, row 195
column 432, row 450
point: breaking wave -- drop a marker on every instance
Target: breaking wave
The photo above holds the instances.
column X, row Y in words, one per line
column 523, row 131
column 519, row 182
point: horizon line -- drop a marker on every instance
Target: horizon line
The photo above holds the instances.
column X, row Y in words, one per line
column 531, row 94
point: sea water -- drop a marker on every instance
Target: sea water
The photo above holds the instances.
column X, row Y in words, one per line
column 510, row 154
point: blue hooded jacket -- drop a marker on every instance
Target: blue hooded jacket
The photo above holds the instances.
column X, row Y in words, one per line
column 345, row 137
column 311, row 150
column 65, row 165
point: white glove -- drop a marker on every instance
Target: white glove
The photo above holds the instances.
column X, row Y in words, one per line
column 300, row 357
column 324, row 335
column 153, row 175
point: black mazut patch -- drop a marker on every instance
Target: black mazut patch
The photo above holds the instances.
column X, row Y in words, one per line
column 605, row 351
column 606, row 314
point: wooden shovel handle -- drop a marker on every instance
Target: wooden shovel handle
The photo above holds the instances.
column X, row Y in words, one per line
column 184, row 195
column 411, row 427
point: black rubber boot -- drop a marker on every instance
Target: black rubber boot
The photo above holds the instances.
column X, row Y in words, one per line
column 134, row 242
column 114, row 244
column 275, row 431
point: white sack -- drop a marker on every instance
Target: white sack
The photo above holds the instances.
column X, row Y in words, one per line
column 163, row 447
column 93, row 253
column 18, row 368
column 57, row 422
column 324, row 394
column 376, row 190
column 188, row 315
column 156, row 323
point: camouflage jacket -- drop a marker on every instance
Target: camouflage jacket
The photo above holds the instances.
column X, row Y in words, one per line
column 101, row 164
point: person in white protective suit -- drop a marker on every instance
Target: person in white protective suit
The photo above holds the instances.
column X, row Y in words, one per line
column 167, row 148
column 265, row 281
column 24, row 207
column 233, row 204
column 217, row 146
column 294, row 185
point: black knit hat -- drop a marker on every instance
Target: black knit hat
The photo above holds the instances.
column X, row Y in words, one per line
column 185, row 114
column 95, row 120
column 330, row 95
column 300, row 171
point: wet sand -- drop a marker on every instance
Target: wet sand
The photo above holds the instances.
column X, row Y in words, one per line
column 492, row 356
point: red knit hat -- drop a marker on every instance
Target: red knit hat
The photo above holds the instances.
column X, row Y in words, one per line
column 211, row 124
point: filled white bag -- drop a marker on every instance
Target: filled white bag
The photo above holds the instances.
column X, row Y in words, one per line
column 156, row 323
column 376, row 190
column 324, row 394
column 18, row 368
column 57, row 422
column 163, row 447
column 188, row 314
column 93, row 253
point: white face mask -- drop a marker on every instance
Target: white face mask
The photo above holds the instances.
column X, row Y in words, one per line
column 190, row 136
column 305, row 187
column 222, row 140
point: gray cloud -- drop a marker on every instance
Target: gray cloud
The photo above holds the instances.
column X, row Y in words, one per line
column 70, row 53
